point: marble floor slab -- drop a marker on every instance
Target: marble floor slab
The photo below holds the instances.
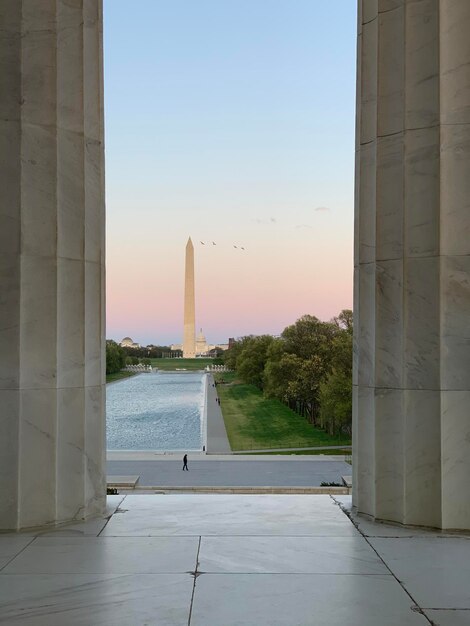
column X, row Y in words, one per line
column 113, row 502
column 11, row 545
column 369, row 528
column 106, row 555
column 344, row 501
column 91, row 527
column 95, row 600
column 190, row 502
column 301, row 600
column 232, row 560
column 436, row 571
column 448, row 618
column 201, row 514
column 289, row 555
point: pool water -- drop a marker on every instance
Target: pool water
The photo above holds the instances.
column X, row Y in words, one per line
column 156, row 411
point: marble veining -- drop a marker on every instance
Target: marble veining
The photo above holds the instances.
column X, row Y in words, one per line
column 412, row 263
column 279, row 573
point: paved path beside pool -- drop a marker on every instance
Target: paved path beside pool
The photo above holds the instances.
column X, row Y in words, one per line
column 225, row 472
column 217, row 440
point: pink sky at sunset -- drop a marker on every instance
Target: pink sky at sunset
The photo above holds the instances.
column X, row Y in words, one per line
column 235, row 131
column 280, row 276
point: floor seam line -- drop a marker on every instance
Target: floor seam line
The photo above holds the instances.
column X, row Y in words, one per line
column 194, row 581
column 209, row 573
column 433, row 608
column 16, row 555
column 420, row 608
column 109, row 518
column 366, row 539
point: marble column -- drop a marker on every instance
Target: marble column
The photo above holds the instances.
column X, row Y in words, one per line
column 52, row 366
column 412, row 263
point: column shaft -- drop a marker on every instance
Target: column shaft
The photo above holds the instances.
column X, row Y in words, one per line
column 52, row 262
column 412, row 262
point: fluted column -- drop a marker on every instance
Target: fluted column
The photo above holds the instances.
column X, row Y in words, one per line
column 412, row 263
column 52, row 375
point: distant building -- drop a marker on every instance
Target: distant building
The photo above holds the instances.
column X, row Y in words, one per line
column 222, row 346
column 202, row 347
column 201, row 344
column 207, row 349
column 127, row 342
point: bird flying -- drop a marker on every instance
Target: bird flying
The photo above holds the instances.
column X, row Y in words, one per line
column 213, row 243
column 235, row 247
column 202, row 243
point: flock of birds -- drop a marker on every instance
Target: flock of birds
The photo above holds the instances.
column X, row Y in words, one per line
column 214, row 244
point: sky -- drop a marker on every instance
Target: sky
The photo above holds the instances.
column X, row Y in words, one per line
column 230, row 121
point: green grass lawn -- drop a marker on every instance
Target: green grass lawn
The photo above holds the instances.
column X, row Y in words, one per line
column 111, row 378
column 188, row 364
column 254, row 422
column 227, row 377
column 306, row 453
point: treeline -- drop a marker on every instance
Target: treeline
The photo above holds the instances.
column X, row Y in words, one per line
column 309, row 367
column 118, row 357
column 149, row 352
column 115, row 357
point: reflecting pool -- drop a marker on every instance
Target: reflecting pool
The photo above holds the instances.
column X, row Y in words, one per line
column 156, row 411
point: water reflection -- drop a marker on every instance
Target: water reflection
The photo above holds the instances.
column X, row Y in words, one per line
column 156, row 412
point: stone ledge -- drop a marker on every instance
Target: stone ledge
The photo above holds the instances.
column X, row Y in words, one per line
column 128, row 482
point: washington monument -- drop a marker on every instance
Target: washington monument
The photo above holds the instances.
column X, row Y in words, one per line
column 189, row 335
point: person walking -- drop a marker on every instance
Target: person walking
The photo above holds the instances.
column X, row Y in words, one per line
column 185, row 463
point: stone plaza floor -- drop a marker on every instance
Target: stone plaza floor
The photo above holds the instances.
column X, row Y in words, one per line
column 232, row 560
column 229, row 470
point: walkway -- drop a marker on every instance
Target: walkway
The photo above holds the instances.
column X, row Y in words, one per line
column 202, row 560
column 217, row 440
column 225, row 472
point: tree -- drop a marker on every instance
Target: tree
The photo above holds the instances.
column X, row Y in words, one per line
column 231, row 355
column 309, row 342
column 280, row 369
column 345, row 320
column 336, row 402
column 115, row 357
column 309, row 367
column 309, row 336
column 306, row 387
column 150, row 351
column 252, row 359
column 336, row 389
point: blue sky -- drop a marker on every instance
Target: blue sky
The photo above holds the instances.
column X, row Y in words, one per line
column 231, row 121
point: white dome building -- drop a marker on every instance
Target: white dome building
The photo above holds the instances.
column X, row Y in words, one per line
column 201, row 344
column 127, row 342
